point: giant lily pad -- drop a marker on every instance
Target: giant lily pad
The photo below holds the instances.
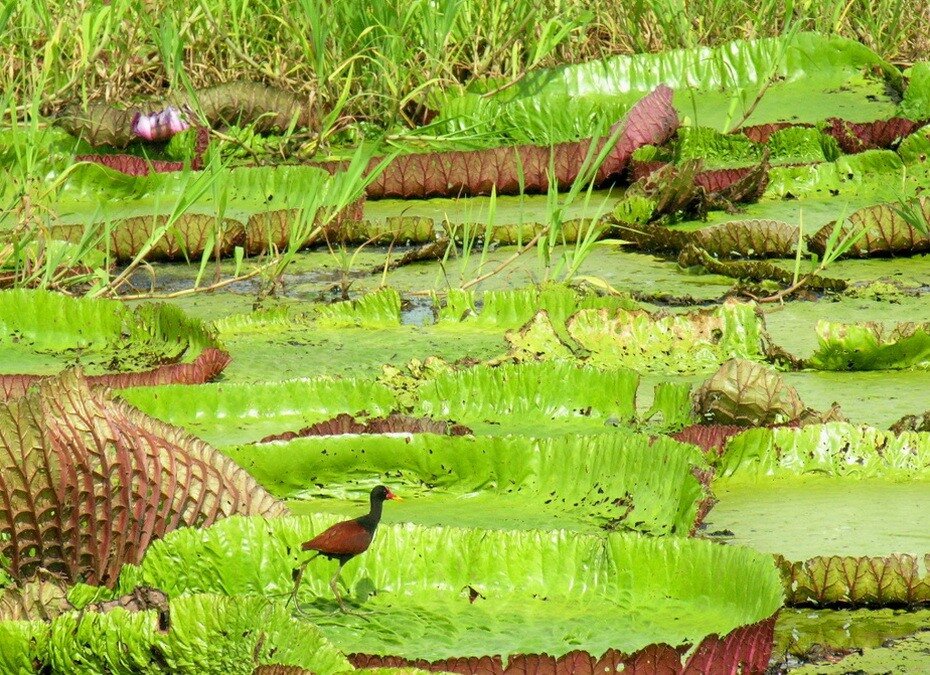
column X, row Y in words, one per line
column 837, row 503
column 814, row 77
column 88, row 483
column 205, row 633
column 448, row 593
column 238, row 413
column 698, row 341
column 256, row 208
column 871, row 346
column 889, row 229
column 618, row 481
column 41, row 332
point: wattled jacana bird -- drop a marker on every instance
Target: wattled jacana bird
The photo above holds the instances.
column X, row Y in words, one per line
column 343, row 541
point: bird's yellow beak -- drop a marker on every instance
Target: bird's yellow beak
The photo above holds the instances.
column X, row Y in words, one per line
column 391, row 495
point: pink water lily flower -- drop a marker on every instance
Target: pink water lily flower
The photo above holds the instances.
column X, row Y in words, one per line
column 160, row 125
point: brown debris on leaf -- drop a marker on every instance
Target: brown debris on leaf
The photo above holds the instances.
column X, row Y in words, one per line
column 204, row 368
column 279, row 669
column 88, row 482
column 43, row 600
column 688, row 189
column 140, row 599
column 912, row 423
column 36, row 600
column 887, row 230
column 524, row 168
column 343, row 423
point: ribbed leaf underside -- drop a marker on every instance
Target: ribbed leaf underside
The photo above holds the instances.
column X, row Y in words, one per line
column 87, row 483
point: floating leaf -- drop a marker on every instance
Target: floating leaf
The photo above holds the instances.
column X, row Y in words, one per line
column 812, row 77
column 916, row 102
column 692, row 342
column 748, row 238
column 859, row 136
column 245, row 412
column 44, row 331
column 614, row 481
column 757, row 270
column 889, row 230
column 379, row 309
column 527, row 584
column 825, row 467
column 871, row 346
column 88, row 483
column 523, row 168
column 834, row 449
column 532, row 393
column 748, row 394
column 514, row 308
column 221, row 105
column 204, row 368
column 537, row 340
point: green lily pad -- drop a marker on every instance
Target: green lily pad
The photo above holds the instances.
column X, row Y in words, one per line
column 836, row 503
column 43, row 332
column 679, row 343
column 438, row 593
column 817, row 77
column 206, row 634
column 239, row 413
column 617, row 481
column 871, row 346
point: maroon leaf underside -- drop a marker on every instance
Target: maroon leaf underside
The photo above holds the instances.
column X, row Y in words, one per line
column 652, row 120
column 88, row 482
column 708, row 436
column 191, row 233
column 714, row 181
column 856, row 137
column 140, row 166
column 204, row 368
column 344, row 423
column 761, row 133
column 744, row 650
column 714, row 437
column 881, row 581
column 725, row 181
column 852, row 137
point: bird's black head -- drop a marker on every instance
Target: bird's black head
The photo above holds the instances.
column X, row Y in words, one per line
column 380, row 493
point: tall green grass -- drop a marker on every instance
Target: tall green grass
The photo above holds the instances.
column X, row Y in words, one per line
column 379, row 58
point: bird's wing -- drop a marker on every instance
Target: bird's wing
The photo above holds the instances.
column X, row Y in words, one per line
column 345, row 538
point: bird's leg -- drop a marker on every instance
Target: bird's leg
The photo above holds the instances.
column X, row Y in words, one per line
column 298, row 574
column 334, row 584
